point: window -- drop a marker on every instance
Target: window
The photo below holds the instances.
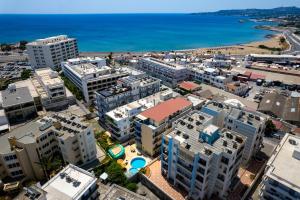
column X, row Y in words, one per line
column 225, row 160
column 202, row 162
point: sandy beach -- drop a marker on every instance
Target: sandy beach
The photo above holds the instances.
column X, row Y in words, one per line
column 241, row 49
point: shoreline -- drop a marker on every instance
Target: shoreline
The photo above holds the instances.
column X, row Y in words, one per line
column 271, row 41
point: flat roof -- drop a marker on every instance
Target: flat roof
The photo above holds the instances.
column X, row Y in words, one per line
column 19, row 96
column 167, row 108
column 59, row 188
column 118, row 192
column 284, row 167
column 188, row 85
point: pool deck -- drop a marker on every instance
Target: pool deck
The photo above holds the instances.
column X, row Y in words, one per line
column 129, row 155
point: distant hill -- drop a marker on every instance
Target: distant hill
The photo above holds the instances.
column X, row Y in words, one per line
column 257, row 13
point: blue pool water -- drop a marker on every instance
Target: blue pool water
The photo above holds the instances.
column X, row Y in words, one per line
column 133, row 32
column 138, row 162
column 133, row 170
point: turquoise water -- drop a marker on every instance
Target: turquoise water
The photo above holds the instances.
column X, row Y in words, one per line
column 138, row 163
column 133, row 171
column 133, row 32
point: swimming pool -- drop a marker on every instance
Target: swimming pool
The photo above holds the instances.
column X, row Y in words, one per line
column 133, row 170
column 138, row 162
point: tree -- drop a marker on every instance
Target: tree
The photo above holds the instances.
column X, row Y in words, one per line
column 132, row 186
column 270, row 128
column 116, row 174
column 5, row 47
column 22, row 45
column 26, row 74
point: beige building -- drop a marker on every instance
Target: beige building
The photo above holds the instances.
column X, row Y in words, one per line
column 51, row 89
column 150, row 124
column 23, row 149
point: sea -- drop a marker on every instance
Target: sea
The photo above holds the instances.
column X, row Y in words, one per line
column 133, row 32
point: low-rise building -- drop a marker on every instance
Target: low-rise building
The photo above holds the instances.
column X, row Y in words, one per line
column 23, row 149
column 50, row 52
column 152, row 123
column 280, row 106
column 18, row 103
column 71, row 183
column 237, row 88
column 248, row 123
column 51, row 89
column 127, row 90
column 91, row 74
column 281, row 178
column 200, row 158
column 217, row 63
column 120, row 121
column 282, row 59
column 170, row 74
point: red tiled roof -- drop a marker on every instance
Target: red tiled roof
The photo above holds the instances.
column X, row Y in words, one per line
column 257, row 76
column 190, row 86
column 165, row 109
column 277, row 124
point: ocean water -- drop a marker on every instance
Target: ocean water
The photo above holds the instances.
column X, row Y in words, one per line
column 133, row 32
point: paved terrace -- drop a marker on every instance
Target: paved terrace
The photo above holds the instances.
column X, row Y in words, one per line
column 159, row 180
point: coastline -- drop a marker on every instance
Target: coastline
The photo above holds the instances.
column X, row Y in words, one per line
column 238, row 49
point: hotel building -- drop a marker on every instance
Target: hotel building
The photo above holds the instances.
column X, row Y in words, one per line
column 91, row 74
column 170, row 74
column 50, row 52
column 248, row 123
column 281, row 178
column 152, row 123
column 23, row 148
column 200, row 158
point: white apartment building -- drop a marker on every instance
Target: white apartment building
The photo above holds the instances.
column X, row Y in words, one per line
column 72, row 183
column 50, row 52
column 51, row 90
column 217, row 63
column 281, row 178
column 91, row 74
column 23, row 148
column 210, row 76
column 248, row 123
column 120, row 121
column 200, row 158
column 127, row 90
column 170, row 74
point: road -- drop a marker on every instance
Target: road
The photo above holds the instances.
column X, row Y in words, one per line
column 294, row 41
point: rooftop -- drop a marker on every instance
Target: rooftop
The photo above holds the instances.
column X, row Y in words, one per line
column 69, row 183
column 65, row 125
column 48, row 77
column 51, row 40
column 189, row 130
column 284, row 163
column 16, row 96
column 165, row 64
column 118, row 192
column 165, row 109
column 189, row 86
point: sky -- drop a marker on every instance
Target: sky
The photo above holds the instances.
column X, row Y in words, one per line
column 134, row 6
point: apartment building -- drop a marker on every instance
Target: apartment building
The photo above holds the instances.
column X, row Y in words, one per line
column 152, row 123
column 51, row 89
column 282, row 59
column 120, row 121
column 23, row 148
column 170, row 74
column 210, row 76
column 248, row 123
column 71, row 183
column 281, row 178
column 91, row 74
column 50, row 52
column 201, row 158
column 127, row 90
column 217, row 63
